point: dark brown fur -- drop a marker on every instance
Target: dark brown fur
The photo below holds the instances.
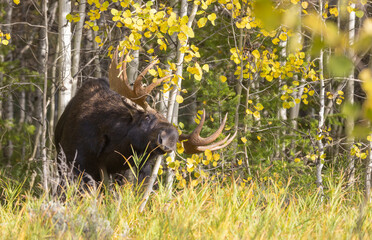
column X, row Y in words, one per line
column 97, row 122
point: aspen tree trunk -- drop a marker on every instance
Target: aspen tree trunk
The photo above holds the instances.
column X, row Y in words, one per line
column 77, row 45
column 282, row 113
column 294, row 112
column 239, row 93
column 44, row 72
column 53, row 89
column 8, row 103
column 246, row 127
column 368, row 180
column 164, row 100
column 133, row 67
column 319, row 163
column 64, row 39
column 350, row 98
column 172, row 114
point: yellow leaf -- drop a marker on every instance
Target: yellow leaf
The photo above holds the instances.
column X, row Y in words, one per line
column 208, row 154
column 202, row 22
column 240, row 162
column 95, row 28
column 182, row 37
column 212, row 17
column 333, row 11
column 275, row 41
column 69, row 17
column 5, row 42
column 259, row 106
column 114, row 11
column 153, row 72
column 311, row 93
column 98, row 39
column 216, row 157
column 214, row 164
column 223, row 78
column 256, row 114
column 128, row 21
column 304, row 5
column 297, row 160
column 16, row 1
column 244, row 140
column 148, row 34
column 179, row 99
column 168, row 159
column 180, row 148
column 369, row 138
column 256, row 54
column 269, row 78
column 283, row 37
column 187, row 30
column 259, row 138
column 205, row 67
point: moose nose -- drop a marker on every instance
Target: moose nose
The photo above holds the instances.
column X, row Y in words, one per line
column 166, row 142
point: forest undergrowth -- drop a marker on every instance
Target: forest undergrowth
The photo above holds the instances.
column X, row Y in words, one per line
column 230, row 209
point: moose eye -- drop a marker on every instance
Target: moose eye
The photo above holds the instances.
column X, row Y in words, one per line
column 147, row 118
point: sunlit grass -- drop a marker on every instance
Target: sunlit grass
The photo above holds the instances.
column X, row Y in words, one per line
column 210, row 211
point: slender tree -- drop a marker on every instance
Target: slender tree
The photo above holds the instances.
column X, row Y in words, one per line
column 350, row 98
column 64, row 41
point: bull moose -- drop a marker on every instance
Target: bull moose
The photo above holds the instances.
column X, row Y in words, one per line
column 101, row 126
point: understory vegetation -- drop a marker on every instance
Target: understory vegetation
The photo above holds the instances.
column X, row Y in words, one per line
column 218, row 210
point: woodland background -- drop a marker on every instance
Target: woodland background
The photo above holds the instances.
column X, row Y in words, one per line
column 294, row 76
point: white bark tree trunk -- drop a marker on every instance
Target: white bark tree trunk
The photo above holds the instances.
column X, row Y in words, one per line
column 320, row 161
column 44, row 72
column 77, row 45
column 172, row 113
column 8, row 103
column 350, row 98
column 368, row 180
column 64, row 39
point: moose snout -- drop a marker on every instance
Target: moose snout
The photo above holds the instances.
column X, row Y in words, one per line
column 167, row 141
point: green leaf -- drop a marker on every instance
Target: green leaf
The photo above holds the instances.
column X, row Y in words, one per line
column 351, row 110
column 265, row 11
column 340, row 66
column 359, row 13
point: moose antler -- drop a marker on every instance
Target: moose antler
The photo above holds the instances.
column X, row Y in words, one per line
column 193, row 143
column 119, row 82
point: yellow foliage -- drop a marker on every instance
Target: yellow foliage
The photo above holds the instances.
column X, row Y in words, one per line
column 201, row 22
column 223, row 79
column 212, row 17
column 179, row 99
